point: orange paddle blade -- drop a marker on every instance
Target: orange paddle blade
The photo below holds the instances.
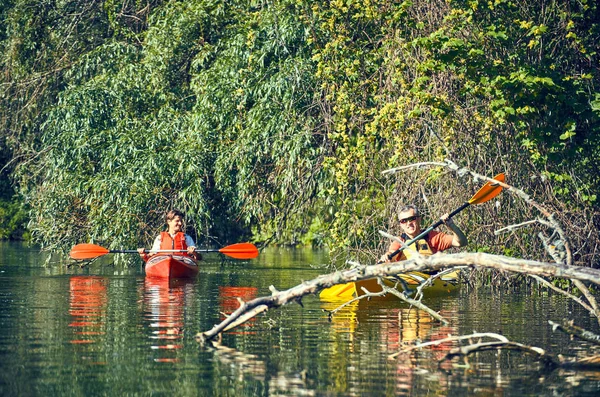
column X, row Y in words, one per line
column 87, row 251
column 240, row 251
column 488, row 191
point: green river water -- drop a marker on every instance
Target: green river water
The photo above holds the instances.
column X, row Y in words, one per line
column 104, row 331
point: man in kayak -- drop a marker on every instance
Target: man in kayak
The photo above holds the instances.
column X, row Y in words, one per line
column 173, row 239
column 434, row 241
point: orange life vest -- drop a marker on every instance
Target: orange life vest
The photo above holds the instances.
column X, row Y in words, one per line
column 173, row 243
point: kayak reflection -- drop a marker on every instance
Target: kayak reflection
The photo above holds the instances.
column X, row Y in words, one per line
column 395, row 325
column 164, row 308
column 399, row 323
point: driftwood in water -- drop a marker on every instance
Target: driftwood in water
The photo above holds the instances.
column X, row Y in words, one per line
column 500, row 343
column 538, row 353
column 277, row 299
column 546, row 359
column 571, row 329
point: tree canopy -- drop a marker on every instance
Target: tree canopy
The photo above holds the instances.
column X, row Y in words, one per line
column 273, row 120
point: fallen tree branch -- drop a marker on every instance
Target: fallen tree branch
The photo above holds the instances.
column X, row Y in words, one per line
column 548, row 360
column 434, row 262
column 574, row 330
column 438, row 342
column 502, row 342
column 540, row 354
column 588, row 295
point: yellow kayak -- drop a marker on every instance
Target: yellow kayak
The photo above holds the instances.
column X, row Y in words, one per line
column 405, row 282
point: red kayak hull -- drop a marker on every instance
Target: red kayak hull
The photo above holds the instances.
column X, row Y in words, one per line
column 171, row 266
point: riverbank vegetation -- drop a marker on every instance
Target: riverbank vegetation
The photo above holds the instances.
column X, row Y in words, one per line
column 13, row 213
column 274, row 121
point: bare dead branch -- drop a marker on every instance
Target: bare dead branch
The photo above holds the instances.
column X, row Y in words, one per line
column 538, row 353
column 432, row 278
column 438, row 342
column 434, row 262
column 588, row 295
column 511, row 228
column 561, row 291
column 574, row 330
column 412, row 302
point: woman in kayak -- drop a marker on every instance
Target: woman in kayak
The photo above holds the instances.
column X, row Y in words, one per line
column 173, row 239
column 434, row 241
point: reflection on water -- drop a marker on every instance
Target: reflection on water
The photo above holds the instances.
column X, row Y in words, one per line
column 100, row 331
column 229, row 301
column 164, row 307
column 87, row 306
column 395, row 327
column 243, row 366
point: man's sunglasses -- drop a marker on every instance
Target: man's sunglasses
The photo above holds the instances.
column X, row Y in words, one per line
column 409, row 219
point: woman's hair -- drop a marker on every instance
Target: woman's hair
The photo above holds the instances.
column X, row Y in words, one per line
column 409, row 207
column 172, row 214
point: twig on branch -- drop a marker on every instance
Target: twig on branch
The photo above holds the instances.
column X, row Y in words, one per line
column 367, row 295
column 412, row 302
column 384, row 291
column 540, row 354
column 574, row 330
column 561, row 291
column 398, row 240
column 510, row 228
column 432, row 278
column 437, row 342
column 415, row 165
column 588, row 295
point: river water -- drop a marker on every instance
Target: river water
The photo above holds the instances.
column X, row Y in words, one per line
column 105, row 330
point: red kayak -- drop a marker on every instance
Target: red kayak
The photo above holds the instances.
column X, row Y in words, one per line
column 171, row 266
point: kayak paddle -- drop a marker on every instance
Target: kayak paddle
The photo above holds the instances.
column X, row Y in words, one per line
column 91, row 251
column 486, row 193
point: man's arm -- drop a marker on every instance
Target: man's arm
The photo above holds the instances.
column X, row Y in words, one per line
column 459, row 240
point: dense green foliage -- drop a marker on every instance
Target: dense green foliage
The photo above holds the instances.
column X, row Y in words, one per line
column 13, row 215
column 273, row 120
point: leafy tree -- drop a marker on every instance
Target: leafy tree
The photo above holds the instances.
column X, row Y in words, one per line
column 274, row 120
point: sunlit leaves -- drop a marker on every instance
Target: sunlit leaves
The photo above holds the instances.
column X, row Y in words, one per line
column 277, row 118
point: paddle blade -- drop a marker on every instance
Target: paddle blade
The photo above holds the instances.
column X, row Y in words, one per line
column 488, row 191
column 87, row 251
column 240, row 251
